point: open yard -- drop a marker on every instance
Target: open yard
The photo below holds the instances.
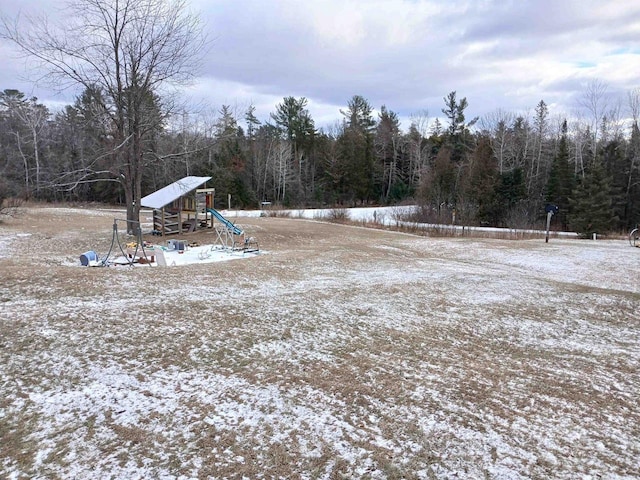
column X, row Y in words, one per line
column 339, row 352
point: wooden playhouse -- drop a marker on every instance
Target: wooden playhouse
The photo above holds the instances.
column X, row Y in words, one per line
column 181, row 207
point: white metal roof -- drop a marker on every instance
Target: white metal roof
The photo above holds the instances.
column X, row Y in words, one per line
column 168, row 194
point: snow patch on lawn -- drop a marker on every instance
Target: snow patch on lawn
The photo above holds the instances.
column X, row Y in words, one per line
column 410, row 357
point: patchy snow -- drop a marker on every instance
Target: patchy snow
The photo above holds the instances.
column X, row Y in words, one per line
column 7, row 242
column 390, row 216
column 4, row 246
column 349, row 353
column 200, row 254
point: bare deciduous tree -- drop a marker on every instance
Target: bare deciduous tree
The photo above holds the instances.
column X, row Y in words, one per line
column 31, row 116
column 594, row 101
column 418, row 145
column 634, row 104
column 131, row 51
column 498, row 124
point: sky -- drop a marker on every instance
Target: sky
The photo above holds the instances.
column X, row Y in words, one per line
column 501, row 55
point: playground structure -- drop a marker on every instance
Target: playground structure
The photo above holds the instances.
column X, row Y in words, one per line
column 230, row 235
column 179, row 208
column 127, row 250
column 182, row 207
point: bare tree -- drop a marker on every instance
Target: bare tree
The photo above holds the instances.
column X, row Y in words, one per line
column 634, row 104
column 388, row 143
column 283, row 171
column 131, row 51
column 580, row 134
column 594, row 100
column 498, row 124
column 634, row 142
column 31, row 116
column 418, row 145
column 612, row 122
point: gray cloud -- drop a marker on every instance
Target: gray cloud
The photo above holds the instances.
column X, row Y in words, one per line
column 408, row 55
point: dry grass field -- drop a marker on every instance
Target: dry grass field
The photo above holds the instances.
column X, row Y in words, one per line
column 339, row 352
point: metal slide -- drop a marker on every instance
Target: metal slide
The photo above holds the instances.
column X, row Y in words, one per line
column 227, row 223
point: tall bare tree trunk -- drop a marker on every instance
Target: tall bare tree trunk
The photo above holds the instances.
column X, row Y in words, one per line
column 123, row 52
column 26, row 166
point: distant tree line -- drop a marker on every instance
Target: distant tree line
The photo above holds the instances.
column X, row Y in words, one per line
column 499, row 170
column 125, row 136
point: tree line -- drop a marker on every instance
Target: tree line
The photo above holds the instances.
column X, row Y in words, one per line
column 126, row 135
column 500, row 170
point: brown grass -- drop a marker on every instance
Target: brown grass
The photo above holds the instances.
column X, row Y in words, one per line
column 344, row 351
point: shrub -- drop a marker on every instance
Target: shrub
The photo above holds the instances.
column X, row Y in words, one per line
column 338, row 215
column 8, row 204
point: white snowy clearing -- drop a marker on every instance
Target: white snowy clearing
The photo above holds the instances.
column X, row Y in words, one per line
column 344, row 352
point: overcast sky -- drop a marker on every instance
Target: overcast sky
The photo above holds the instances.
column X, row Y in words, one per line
column 405, row 54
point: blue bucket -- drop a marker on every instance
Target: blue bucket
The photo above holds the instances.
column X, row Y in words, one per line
column 87, row 257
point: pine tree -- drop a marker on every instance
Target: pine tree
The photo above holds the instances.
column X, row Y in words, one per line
column 388, row 150
column 483, row 180
column 356, row 152
column 632, row 184
column 561, row 180
column 510, row 191
column 591, row 209
column 437, row 186
column 457, row 135
column 616, row 167
column 295, row 122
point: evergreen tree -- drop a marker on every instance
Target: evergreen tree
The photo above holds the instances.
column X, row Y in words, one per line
column 632, row 183
column 591, row 209
column 252, row 121
column 295, row 122
column 511, row 191
column 458, row 135
column 541, row 124
column 561, row 180
column 617, row 170
column 437, row 187
column 388, row 150
column 253, row 167
column 358, row 115
column 356, row 153
column 436, row 129
column 483, row 180
column 228, row 163
column 83, row 143
column 454, row 111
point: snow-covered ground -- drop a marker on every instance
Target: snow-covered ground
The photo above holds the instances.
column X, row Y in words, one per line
column 390, row 216
column 343, row 353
